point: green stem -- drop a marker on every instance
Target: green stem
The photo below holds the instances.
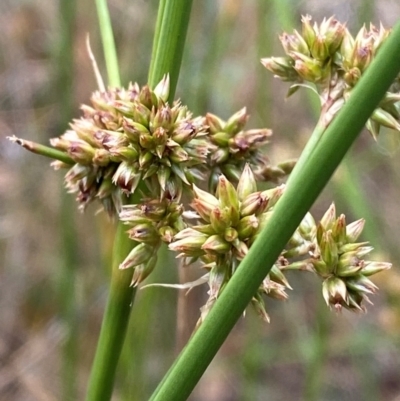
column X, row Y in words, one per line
column 308, row 150
column 170, row 43
column 157, row 32
column 115, row 322
column 116, row 315
column 42, row 150
column 290, row 210
column 167, row 58
column 107, row 38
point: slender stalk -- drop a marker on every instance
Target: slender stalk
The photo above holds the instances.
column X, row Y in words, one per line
column 115, row 321
column 298, row 198
column 157, row 32
column 42, row 150
column 107, row 38
column 310, row 147
column 168, row 57
column 170, row 43
column 116, row 315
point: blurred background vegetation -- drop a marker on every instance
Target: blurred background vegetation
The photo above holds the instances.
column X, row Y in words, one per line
column 54, row 268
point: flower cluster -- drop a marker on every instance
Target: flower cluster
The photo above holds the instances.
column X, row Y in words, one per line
column 338, row 260
column 228, row 224
column 328, row 56
column 129, row 135
column 152, row 222
column 232, row 147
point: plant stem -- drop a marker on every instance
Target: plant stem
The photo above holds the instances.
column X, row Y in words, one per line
column 170, row 42
column 167, row 58
column 116, row 315
column 156, row 39
column 290, row 210
column 107, row 38
column 42, row 150
column 115, row 322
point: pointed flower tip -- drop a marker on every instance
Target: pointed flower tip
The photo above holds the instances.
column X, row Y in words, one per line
column 162, row 88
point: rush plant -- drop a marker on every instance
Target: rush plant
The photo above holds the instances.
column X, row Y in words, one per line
column 136, row 151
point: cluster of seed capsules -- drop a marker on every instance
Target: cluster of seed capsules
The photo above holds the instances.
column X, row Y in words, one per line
column 328, row 56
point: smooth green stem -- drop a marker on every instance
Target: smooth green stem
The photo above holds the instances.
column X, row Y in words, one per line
column 115, row 322
column 167, row 58
column 107, row 38
column 310, row 147
column 43, row 150
column 170, row 42
column 290, row 210
column 120, row 298
column 157, row 31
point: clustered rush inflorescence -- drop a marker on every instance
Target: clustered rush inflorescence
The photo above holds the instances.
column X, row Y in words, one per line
column 129, row 137
column 330, row 249
column 234, row 147
column 133, row 135
column 329, row 57
column 227, row 225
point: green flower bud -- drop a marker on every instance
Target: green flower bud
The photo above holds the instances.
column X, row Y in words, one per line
column 237, row 122
column 371, row 268
column 276, row 275
column 339, row 230
column 142, row 271
column 230, row 234
column 354, row 230
column 319, row 48
column 215, row 123
column 281, row 67
column 162, row 88
column 328, row 219
column 361, row 284
column 247, row 227
column 138, row 255
column 220, row 219
column 384, row 118
column 126, row 177
column 255, row 203
column 308, row 32
column 294, row 42
column 148, row 98
column 335, row 292
column 215, row 244
column 228, row 198
column 247, row 183
column 329, row 251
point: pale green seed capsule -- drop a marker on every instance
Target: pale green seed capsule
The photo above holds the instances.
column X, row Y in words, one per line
column 247, row 183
